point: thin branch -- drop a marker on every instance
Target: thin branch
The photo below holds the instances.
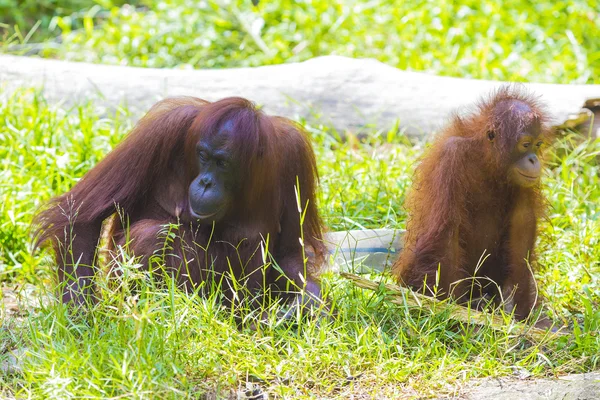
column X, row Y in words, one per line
column 402, row 296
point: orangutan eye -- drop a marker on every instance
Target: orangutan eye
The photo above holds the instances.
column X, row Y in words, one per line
column 202, row 156
column 491, row 135
column 539, row 144
column 526, row 145
column 222, row 163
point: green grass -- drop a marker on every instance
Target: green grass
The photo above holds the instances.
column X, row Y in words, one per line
column 166, row 344
column 516, row 40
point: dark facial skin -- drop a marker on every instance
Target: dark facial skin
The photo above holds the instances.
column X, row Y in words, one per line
column 525, row 167
column 211, row 192
column 526, row 170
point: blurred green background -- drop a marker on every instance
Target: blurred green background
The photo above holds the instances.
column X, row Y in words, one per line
column 520, row 40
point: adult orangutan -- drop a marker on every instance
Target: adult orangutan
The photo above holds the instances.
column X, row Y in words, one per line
column 475, row 204
column 223, row 177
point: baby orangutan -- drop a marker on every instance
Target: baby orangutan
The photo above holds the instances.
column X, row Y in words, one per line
column 475, row 203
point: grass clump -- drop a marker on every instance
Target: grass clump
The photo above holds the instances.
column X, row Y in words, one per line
column 514, row 40
column 160, row 342
column 43, row 151
column 165, row 344
column 23, row 21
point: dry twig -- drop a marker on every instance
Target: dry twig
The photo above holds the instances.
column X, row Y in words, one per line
column 402, row 296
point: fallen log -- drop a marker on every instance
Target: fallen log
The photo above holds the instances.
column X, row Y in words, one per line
column 346, row 93
column 363, row 251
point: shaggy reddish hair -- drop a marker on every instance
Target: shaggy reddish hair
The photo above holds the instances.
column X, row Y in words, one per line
column 463, row 204
column 148, row 176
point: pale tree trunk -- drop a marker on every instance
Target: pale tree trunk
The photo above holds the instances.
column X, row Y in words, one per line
column 348, row 94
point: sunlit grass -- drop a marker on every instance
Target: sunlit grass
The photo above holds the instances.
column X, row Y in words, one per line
column 163, row 343
column 514, row 40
